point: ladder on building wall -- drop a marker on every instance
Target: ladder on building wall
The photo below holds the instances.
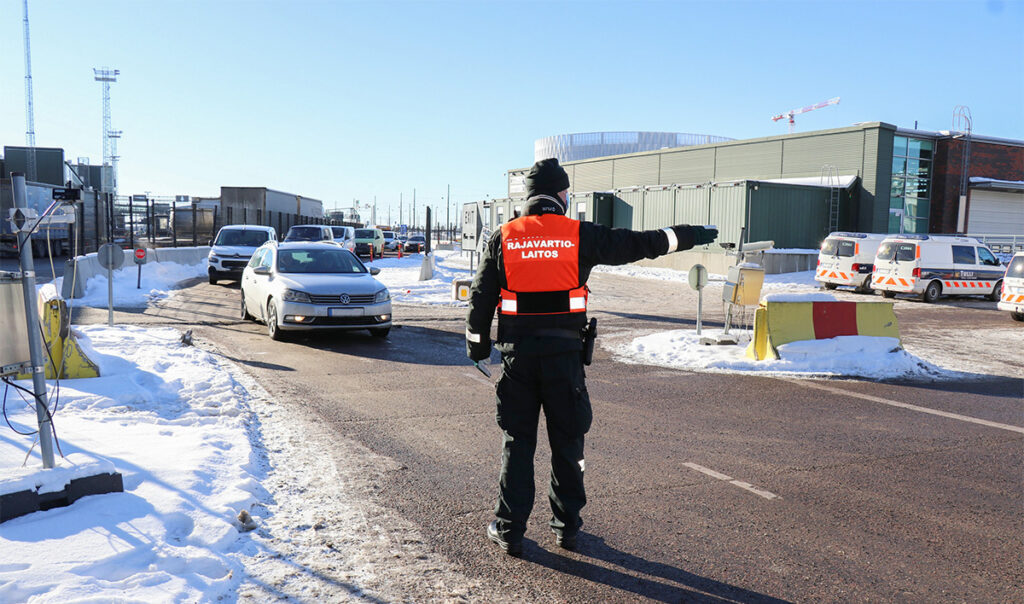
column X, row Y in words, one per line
column 830, row 177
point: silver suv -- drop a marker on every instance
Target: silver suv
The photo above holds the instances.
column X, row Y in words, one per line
column 234, row 245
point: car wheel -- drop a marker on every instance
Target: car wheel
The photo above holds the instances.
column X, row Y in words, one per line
column 245, row 311
column 888, row 294
column 864, row 288
column 273, row 329
column 1017, row 316
column 213, row 277
column 932, row 292
column 380, row 333
column 829, row 285
column 994, row 296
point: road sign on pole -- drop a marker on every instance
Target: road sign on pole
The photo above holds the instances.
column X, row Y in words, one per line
column 110, row 256
column 140, row 259
column 698, row 278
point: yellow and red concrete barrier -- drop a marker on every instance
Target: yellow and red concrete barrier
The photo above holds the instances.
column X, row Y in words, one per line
column 781, row 322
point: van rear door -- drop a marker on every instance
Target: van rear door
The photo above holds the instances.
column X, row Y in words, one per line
column 897, row 266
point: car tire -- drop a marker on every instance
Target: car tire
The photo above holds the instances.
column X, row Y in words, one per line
column 245, row 311
column 932, row 292
column 994, row 296
column 273, row 329
column 1017, row 316
column 380, row 333
column 828, row 285
column 888, row 294
column 213, row 277
column 864, row 288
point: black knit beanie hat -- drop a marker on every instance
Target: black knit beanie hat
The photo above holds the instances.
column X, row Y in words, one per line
column 546, row 177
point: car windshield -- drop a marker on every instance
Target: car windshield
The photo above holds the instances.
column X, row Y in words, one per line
column 1016, row 268
column 339, row 232
column 318, row 261
column 389, row 235
column 364, row 233
column 304, row 234
column 837, row 247
column 417, row 238
column 242, row 237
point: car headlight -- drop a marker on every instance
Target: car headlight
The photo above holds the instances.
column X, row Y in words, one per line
column 382, row 296
column 291, row 295
column 212, row 257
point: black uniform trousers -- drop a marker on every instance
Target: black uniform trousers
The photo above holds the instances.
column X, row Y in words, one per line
column 555, row 383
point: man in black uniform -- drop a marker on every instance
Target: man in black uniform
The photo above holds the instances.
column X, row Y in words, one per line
column 534, row 271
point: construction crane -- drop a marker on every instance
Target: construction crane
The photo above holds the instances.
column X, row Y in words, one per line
column 792, row 112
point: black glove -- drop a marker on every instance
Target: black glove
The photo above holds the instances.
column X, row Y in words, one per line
column 478, row 351
column 704, row 235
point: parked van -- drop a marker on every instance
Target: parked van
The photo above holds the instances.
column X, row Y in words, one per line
column 932, row 265
column 232, row 248
column 1012, row 298
column 848, row 259
column 370, row 242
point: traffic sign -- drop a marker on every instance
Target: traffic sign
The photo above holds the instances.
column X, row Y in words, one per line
column 698, row 276
column 140, row 255
column 110, row 256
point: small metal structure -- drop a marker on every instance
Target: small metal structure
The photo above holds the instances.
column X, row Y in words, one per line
column 789, row 114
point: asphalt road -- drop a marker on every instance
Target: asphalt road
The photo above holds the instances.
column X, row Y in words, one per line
column 702, row 487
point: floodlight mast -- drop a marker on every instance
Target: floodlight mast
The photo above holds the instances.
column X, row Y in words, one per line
column 30, row 120
column 792, row 112
column 106, row 76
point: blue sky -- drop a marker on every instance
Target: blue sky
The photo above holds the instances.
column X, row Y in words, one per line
column 355, row 100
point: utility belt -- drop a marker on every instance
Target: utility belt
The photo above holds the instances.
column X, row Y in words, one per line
column 586, row 334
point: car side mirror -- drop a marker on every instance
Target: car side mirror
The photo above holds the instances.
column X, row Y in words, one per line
column 261, row 270
column 210, row 243
column 374, row 270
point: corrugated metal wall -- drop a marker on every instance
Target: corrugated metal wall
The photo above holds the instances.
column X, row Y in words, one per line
column 659, row 207
column 632, row 171
column 728, row 210
column 628, row 212
column 693, row 203
column 593, row 176
column 697, row 165
column 792, row 216
column 806, row 155
column 874, row 198
column 753, row 160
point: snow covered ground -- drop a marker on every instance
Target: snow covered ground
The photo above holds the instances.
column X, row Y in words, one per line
column 197, row 442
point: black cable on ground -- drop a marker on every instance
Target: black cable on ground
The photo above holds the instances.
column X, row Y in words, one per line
column 6, row 419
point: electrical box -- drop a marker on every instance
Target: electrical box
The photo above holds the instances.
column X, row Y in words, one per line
column 743, row 284
column 460, row 289
column 14, row 350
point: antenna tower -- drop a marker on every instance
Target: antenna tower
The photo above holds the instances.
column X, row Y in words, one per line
column 30, row 120
column 106, row 76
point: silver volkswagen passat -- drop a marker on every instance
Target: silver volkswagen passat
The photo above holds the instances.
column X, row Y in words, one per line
column 305, row 286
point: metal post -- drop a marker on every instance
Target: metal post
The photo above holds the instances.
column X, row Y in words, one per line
column 131, row 221
column 35, row 342
column 194, row 240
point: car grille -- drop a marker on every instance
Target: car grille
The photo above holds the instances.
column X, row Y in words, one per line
column 363, row 321
column 234, row 263
column 353, row 299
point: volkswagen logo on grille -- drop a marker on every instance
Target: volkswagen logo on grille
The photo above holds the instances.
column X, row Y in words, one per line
column 345, row 299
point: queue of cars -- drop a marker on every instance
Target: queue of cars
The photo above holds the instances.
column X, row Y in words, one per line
column 312, row 280
column 929, row 266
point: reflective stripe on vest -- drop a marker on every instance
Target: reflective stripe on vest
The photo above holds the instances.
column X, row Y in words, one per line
column 541, row 260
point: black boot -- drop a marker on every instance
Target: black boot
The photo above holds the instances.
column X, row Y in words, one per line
column 510, row 547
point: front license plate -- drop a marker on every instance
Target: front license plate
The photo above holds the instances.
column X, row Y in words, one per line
column 344, row 312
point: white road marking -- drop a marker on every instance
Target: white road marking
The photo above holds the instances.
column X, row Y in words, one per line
column 707, row 471
column 885, row 401
column 739, row 483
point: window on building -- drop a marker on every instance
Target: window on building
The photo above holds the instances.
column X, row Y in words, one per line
column 501, row 215
column 581, row 210
column 910, row 189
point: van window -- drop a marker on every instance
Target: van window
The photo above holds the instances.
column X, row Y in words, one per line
column 365, row 234
column 838, row 247
column 963, row 254
column 903, row 252
column 241, row 237
column 986, row 257
column 1016, row 268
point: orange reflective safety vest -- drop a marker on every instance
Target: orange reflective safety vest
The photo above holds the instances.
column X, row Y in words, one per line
column 541, row 258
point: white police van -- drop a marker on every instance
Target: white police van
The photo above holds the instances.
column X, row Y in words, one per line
column 847, row 259
column 934, row 265
column 1012, row 298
